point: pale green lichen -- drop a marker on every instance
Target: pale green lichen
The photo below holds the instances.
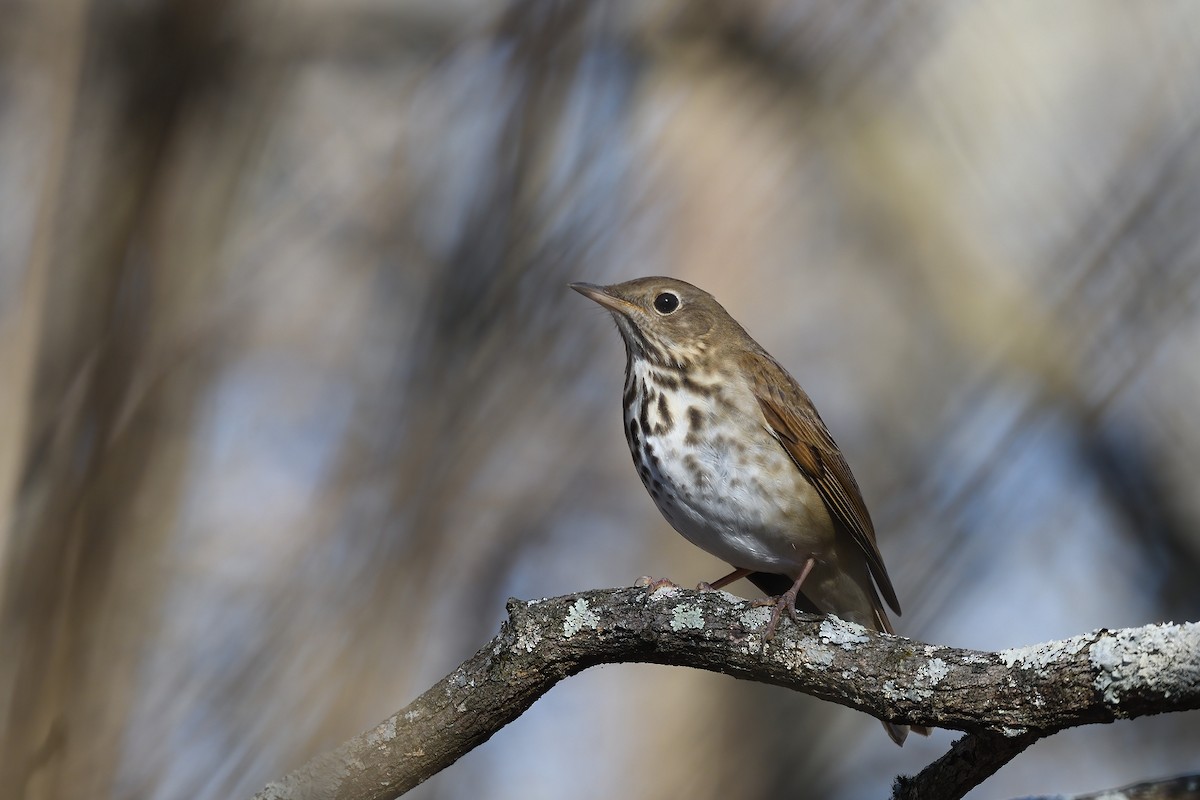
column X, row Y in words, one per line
column 579, row 616
column 841, row 633
column 1159, row 658
column 804, row 653
column 1041, row 656
column 687, row 617
column 754, row 617
column 529, row 636
column 933, row 671
column 916, row 694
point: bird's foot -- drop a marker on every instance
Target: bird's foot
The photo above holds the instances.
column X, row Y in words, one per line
column 654, row 584
column 785, row 602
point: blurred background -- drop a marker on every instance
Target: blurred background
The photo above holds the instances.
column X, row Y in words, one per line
column 293, row 394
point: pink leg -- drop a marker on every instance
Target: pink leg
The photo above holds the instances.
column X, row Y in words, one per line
column 719, row 583
column 787, row 601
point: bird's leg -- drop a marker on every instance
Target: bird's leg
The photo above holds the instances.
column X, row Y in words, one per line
column 787, row 600
column 654, row 584
column 719, row 583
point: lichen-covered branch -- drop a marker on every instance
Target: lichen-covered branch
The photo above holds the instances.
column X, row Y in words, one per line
column 1013, row 696
column 1182, row 787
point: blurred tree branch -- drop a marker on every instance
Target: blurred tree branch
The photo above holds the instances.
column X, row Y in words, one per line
column 1005, row 701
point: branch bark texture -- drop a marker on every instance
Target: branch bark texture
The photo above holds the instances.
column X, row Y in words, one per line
column 1004, row 700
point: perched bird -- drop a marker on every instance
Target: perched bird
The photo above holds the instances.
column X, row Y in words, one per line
column 737, row 459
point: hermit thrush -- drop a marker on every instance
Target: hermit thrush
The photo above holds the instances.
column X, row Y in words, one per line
column 737, row 459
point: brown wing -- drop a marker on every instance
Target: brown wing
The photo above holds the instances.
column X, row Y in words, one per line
column 800, row 430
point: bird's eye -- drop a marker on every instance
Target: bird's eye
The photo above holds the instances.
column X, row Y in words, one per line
column 665, row 303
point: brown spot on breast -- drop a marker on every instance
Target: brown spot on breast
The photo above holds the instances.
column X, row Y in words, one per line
column 727, row 405
column 697, row 388
column 666, row 381
column 664, row 415
column 695, row 427
column 700, row 476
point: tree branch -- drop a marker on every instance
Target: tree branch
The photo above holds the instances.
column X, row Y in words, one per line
column 970, row 761
column 1005, row 700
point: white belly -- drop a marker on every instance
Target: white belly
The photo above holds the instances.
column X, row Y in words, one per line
column 738, row 497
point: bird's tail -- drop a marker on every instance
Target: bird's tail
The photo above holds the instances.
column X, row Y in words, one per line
column 898, row 732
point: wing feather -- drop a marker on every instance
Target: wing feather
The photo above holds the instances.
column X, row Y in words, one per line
column 791, row 415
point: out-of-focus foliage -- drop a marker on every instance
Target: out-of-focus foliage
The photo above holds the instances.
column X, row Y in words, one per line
column 292, row 394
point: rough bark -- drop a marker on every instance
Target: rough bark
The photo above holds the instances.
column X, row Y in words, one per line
column 1004, row 701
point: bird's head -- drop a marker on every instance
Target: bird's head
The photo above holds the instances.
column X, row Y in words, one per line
column 664, row 320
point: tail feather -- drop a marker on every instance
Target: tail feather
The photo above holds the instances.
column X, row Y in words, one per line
column 900, row 732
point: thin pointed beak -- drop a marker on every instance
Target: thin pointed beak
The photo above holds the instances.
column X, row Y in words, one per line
column 604, row 297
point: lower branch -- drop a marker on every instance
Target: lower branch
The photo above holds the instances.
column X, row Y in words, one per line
column 970, row 761
column 1006, row 699
column 1183, row 787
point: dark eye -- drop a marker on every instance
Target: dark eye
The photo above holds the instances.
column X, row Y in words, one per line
column 665, row 303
